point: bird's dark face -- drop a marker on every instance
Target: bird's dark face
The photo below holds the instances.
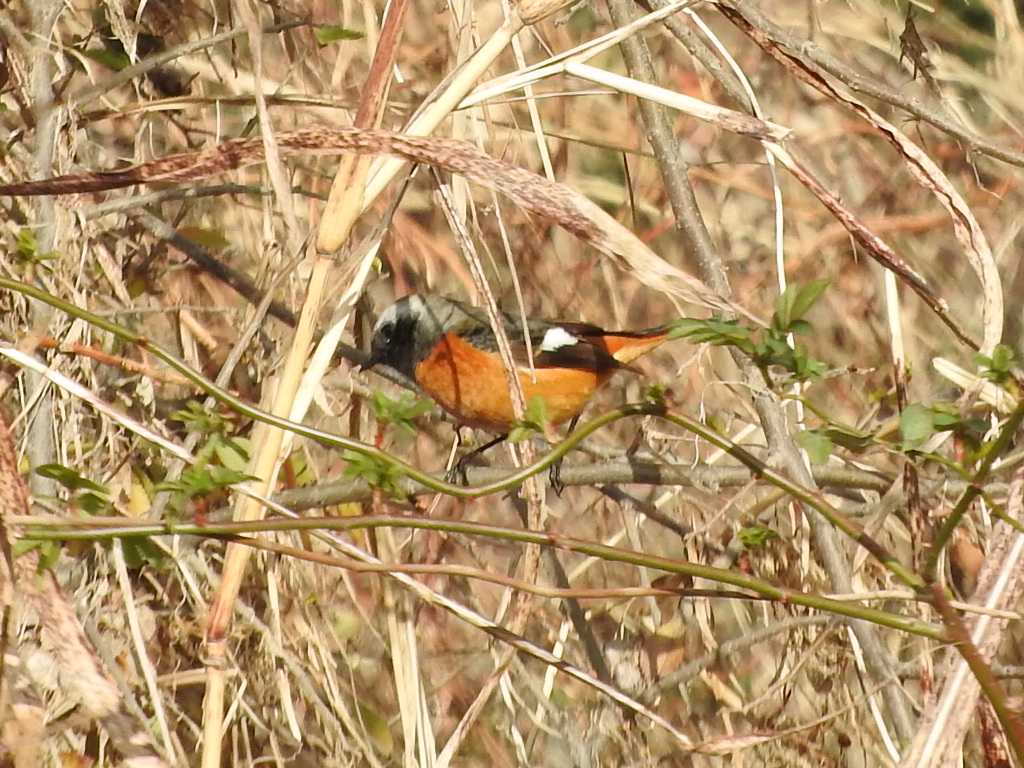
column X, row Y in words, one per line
column 406, row 333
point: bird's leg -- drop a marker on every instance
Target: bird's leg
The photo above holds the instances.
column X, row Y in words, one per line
column 555, row 473
column 457, row 474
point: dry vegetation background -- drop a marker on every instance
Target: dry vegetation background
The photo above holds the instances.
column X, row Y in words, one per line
column 326, row 665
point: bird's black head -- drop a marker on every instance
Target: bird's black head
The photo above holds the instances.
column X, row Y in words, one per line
column 407, row 331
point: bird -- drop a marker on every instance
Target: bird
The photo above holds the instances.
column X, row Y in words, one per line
column 449, row 349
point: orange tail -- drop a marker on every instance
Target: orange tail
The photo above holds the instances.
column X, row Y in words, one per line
column 627, row 346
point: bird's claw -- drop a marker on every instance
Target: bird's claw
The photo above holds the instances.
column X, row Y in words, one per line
column 555, row 477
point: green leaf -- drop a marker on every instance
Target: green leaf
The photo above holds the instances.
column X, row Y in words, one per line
column 200, row 481
column 197, row 418
column 49, row 554
column 800, row 326
column 794, row 303
column 300, row 468
column 213, row 239
column 92, row 503
column 334, row 33
column 945, row 417
column 655, row 394
column 400, row 413
column 753, row 536
column 231, row 454
column 816, row 443
column 140, row 552
column 847, row 437
column 376, row 472
column 1002, row 358
column 917, row 424
column 24, row 546
column 998, row 367
column 115, row 60
column 49, row 551
column 377, row 729
column 70, row 479
column 536, row 411
column 347, row 624
column 521, row 432
column 533, row 422
column 27, row 247
column 721, row 333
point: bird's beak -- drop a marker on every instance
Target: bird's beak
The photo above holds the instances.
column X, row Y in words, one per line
column 372, row 359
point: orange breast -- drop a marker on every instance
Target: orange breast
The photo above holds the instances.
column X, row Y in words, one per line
column 470, row 384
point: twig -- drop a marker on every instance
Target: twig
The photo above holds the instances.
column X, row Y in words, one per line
column 150, row 63
column 921, row 106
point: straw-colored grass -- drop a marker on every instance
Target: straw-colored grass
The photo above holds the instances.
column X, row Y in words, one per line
column 614, row 163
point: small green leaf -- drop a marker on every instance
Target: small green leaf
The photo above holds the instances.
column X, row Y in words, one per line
column 27, row 247
column 197, row 418
column 213, row 239
column 794, row 303
column 753, row 536
column 69, row 478
column 140, row 552
column 334, row 33
column 231, row 455
column 92, row 503
column 816, row 443
column 998, row 367
column 400, row 413
column 655, row 395
column 376, row 472
column 49, row 551
column 300, row 468
column 520, row 433
column 945, row 417
column 377, row 729
column 536, row 411
column 849, row 438
column 721, row 333
column 24, row 546
column 1002, row 358
column 115, row 60
column 800, row 326
column 917, row 424
column 533, row 422
column 347, row 624
column 202, row 480
column 49, row 554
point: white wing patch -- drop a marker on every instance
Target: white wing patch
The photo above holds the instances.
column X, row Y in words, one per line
column 556, row 338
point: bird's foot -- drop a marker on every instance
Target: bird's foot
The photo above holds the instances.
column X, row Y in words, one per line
column 555, row 477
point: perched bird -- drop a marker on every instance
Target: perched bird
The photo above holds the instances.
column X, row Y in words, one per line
column 448, row 348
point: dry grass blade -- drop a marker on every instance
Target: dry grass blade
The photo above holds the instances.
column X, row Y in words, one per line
column 987, row 391
column 874, row 245
column 921, row 166
column 650, row 122
column 81, row 672
column 552, row 200
column 945, row 723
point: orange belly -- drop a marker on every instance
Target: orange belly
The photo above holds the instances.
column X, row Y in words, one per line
column 471, row 385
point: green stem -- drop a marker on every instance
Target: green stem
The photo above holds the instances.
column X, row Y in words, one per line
column 995, row 449
column 813, row 499
column 71, row 531
column 326, row 438
column 1013, row 726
